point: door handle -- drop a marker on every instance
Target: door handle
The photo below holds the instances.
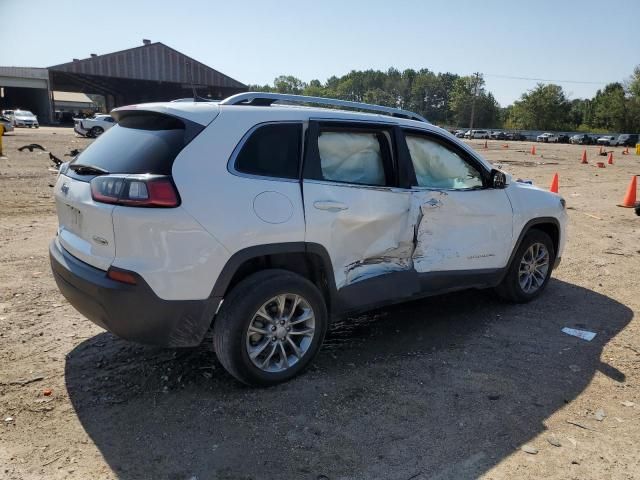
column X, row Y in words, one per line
column 330, row 206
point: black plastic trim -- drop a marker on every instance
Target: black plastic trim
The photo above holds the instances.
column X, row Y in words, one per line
column 523, row 232
column 132, row 312
column 257, row 251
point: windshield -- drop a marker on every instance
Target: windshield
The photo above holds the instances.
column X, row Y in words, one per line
column 24, row 113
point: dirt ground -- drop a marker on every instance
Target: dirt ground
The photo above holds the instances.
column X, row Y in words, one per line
column 453, row 387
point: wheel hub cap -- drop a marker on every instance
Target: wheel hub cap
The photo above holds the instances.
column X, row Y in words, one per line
column 534, row 267
column 280, row 332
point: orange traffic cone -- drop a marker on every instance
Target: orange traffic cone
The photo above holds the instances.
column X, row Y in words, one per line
column 600, row 153
column 626, row 151
column 533, row 149
column 610, row 159
column 506, row 145
column 554, row 184
column 584, row 156
column 485, row 144
column 629, row 200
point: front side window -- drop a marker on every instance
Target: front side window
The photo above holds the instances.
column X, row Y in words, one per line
column 272, row 150
column 437, row 166
column 353, row 156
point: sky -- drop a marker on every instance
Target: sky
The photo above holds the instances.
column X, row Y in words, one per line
column 581, row 45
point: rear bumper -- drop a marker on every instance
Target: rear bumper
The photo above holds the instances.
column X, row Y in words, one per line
column 79, row 130
column 132, row 312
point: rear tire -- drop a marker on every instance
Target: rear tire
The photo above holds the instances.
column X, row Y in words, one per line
column 252, row 334
column 530, row 269
column 96, row 132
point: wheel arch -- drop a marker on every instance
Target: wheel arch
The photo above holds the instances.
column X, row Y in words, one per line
column 548, row 225
column 310, row 260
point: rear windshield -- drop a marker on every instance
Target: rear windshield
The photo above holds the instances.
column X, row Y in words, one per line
column 140, row 143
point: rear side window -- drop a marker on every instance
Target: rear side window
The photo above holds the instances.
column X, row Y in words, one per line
column 142, row 142
column 272, row 150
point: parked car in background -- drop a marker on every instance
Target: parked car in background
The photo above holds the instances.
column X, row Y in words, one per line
column 24, row 118
column 477, row 134
column 7, row 123
column 607, row 140
column 498, row 136
column 459, row 134
column 141, row 252
column 94, row 126
column 563, row 138
column 627, row 140
column 581, row 139
column 547, row 138
column 8, row 114
column 515, row 136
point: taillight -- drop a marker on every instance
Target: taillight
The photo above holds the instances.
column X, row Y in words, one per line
column 135, row 191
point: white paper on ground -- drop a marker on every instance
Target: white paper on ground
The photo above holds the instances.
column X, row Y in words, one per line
column 583, row 334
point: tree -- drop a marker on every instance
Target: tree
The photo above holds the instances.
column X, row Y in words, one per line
column 610, row 108
column 289, row 84
column 545, row 108
column 461, row 100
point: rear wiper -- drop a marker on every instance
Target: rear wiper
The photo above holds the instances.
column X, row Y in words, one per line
column 87, row 169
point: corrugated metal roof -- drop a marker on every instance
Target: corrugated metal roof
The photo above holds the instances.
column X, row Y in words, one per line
column 25, row 72
column 75, row 97
column 155, row 62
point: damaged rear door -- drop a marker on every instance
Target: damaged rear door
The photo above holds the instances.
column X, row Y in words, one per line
column 464, row 225
column 355, row 208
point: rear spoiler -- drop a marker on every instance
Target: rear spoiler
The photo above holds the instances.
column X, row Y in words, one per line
column 202, row 113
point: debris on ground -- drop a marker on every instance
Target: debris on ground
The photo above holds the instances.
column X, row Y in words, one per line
column 56, row 161
column 627, row 403
column 600, row 415
column 31, row 146
column 583, row 334
column 580, row 425
column 73, row 153
column 553, row 440
column 529, row 449
column 22, row 383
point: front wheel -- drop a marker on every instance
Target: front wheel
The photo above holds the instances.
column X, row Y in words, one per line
column 530, row 270
column 270, row 327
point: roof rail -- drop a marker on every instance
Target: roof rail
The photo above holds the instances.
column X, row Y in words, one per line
column 266, row 99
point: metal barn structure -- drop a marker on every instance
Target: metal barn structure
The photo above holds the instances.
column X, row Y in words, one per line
column 148, row 73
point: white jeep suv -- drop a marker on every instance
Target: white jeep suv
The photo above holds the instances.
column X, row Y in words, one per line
column 266, row 221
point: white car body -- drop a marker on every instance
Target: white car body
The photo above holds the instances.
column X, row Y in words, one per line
column 477, row 134
column 548, row 138
column 369, row 236
column 607, row 140
column 93, row 127
column 24, row 118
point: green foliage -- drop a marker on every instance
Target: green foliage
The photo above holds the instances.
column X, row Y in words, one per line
column 447, row 99
column 543, row 108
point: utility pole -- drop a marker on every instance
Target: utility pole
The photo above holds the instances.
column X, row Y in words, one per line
column 473, row 100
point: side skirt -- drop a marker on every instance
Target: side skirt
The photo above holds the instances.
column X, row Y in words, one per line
column 398, row 287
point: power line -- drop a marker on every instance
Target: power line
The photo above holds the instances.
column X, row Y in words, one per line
column 543, row 79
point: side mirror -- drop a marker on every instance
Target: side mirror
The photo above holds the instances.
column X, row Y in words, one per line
column 498, row 179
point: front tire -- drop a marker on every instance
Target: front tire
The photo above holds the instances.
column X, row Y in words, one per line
column 270, row 327
column 530, row 270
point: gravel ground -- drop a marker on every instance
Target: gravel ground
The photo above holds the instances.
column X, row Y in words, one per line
column 454, row 387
